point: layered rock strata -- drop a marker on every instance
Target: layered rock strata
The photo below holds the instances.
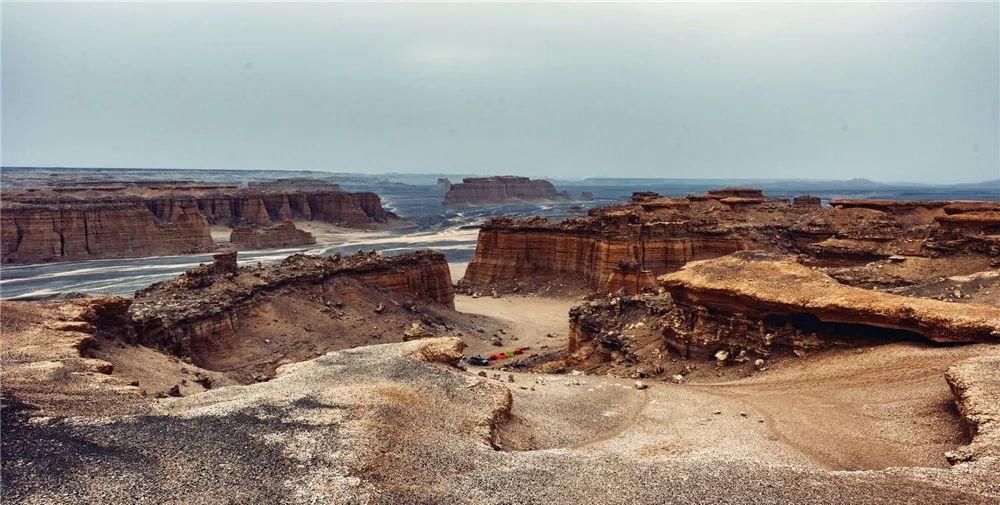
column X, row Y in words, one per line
column 76, row 224
column 33, row 233
column 501, row 189
column 662, row 234
column 223, row 318
column 284, row 234
column 751, row 306
column 766, row 286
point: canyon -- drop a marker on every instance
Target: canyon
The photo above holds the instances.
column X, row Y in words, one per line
column 499, row 189
column 118, row 221
column 843, row 354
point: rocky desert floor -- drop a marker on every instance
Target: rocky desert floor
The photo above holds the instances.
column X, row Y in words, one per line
column 846, row 409
column 88, row 418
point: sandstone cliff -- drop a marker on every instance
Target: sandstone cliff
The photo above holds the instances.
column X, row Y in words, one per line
column 62, row 224
column 660, row 235
column 748, row 308
column 760, row 286
column 501, row 189
column 34, row 233
column 225, row 318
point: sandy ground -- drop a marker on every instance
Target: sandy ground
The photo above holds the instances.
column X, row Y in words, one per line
column 530, row 321
column 885, row 407
column 327, row 233
column 853, row 409
column 458, row 270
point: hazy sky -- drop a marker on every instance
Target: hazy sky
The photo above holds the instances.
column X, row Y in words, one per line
column 878, row 90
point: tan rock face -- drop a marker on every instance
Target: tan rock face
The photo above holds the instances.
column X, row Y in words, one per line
column 237, row 320
column 284, row 234
column 34, row 234
column 661, row 235
column 506, row 253
column 761, row 286
column 484, row 190
column 44, row 225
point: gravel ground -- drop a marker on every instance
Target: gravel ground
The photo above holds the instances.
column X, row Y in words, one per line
column 396, row 423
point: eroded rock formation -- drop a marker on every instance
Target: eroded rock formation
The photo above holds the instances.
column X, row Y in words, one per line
column 223, row 318
column 33, row 233
column 766, row 286
column 662, row 234
column 749, row 306
column 61, row 224
column 501, row 189
column 283, row 234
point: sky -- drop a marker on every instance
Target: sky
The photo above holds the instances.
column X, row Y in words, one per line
column 885, row 91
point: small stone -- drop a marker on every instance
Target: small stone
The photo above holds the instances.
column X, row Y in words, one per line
column 759, row 364
column 678, row 379
column 721, row 356
column 641, row 385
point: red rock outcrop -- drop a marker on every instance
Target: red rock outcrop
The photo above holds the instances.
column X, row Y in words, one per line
column 230, row 321
column 257, row 207
column 501, row 189
column 33, row 233
column 760, row 286
column 508, row 250
column 885, row 205
column 807, row 201
column 283, row 234
column 662, row 234
column 753, row 193
column 61, row 224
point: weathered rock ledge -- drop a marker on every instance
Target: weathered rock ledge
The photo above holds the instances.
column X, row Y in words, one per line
column 660, row 235
column 760, row 286
column 283, row 234
column 86, row 223
column 499, row 189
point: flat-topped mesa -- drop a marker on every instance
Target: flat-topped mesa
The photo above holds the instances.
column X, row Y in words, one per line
column 283, row 234
column 501, row 189
column 737, row 193
column 662, row 234
column 134, row 221
column 295, row 184
column 217, row 316
column 807, row 201
column 769, row 287
column 588, row 252
column 885, row 205
column 65, row 231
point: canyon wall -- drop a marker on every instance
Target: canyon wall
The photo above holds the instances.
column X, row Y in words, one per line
column 508, row 251
column 63, row 232
column 501, row 189
column 257, row 208
column 223, row 317
column 750, row 307
column 658, row 235
column 63, row 224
